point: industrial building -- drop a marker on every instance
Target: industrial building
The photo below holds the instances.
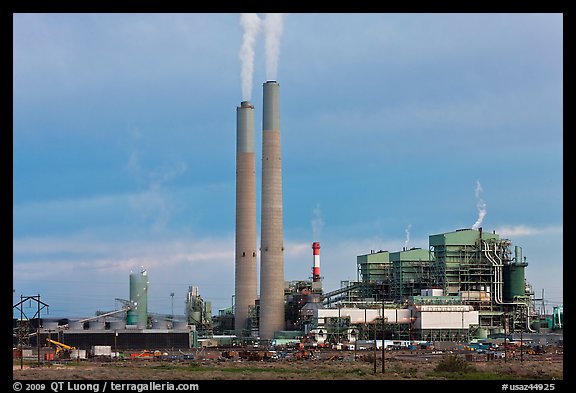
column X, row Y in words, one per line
column 131, row 327
column 468, row 284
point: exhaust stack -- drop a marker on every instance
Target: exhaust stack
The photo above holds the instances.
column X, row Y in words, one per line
column 245, row 251
column 316, row 265
column 272, row 243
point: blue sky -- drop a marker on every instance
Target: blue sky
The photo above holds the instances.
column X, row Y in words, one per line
column 394, row 127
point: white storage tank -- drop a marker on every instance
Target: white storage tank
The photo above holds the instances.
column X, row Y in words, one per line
column 77, row 354
column 179, row 325
column 160, row 324
column 437, row 292
column 97, row 325
column 75, row 325
column 50, row 325
column 101, row 350
column 117, row 324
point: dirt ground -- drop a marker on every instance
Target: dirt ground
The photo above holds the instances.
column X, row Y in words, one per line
column 398, row 365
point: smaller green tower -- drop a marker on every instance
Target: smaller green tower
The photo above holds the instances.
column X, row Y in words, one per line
column 514, row 277
column 138, row 315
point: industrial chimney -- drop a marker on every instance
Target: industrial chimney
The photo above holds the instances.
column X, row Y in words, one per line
column 245, row 259
column 272, row 243
column 316, row 265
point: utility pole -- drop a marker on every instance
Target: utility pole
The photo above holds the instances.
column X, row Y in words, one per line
column 338, row 325
column 543, row 304
column 374, row 346
column 383, row 332
column 505, row 338
column 38, row 331
column 354, row 335
column 383, row 344
column 26, row 330
column 521, row 337
column 20, row 334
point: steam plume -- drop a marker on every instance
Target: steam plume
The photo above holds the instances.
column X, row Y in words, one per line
column 407, row 236
column 480, row 205
column 273, row 26
column 251, row 25
column 317, row 222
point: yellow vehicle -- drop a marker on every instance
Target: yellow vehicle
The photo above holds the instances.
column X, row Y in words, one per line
column 62, row 350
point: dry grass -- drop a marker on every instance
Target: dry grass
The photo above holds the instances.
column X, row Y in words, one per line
column 397, row 367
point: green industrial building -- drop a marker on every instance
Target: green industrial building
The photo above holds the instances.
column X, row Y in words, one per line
column 464, row 267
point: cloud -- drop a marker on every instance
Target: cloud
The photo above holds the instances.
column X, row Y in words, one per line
column 99, row 268
column 64, row 254
column 154, row 204
column 518, row 231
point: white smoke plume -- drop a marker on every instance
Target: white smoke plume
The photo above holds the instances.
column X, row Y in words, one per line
column 273, row 26
column 407, row 236
column 480, row 205
column 317, row 222
column 251, row 25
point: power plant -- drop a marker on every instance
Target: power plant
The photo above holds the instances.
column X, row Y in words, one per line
column 466, row 285
column 466, row 290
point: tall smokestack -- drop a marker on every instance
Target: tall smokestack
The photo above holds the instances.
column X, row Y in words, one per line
column 272, row 243
column 316, row 265
column 245, row 263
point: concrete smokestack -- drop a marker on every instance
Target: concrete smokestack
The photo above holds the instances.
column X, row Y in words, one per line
column 272, row 243
column 316, row 265
column 245, row 263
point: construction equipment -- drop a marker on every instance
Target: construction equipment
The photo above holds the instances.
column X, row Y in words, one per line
column 146, row 354
column 62, row 350
column 230, row 354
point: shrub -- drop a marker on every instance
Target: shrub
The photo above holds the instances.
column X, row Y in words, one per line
column 453, row 363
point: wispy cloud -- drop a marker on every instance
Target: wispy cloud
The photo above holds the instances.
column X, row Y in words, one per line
column 518, row 231
column 99, row 268
column 153, row 204
column 317, row 222
column 67, row 253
